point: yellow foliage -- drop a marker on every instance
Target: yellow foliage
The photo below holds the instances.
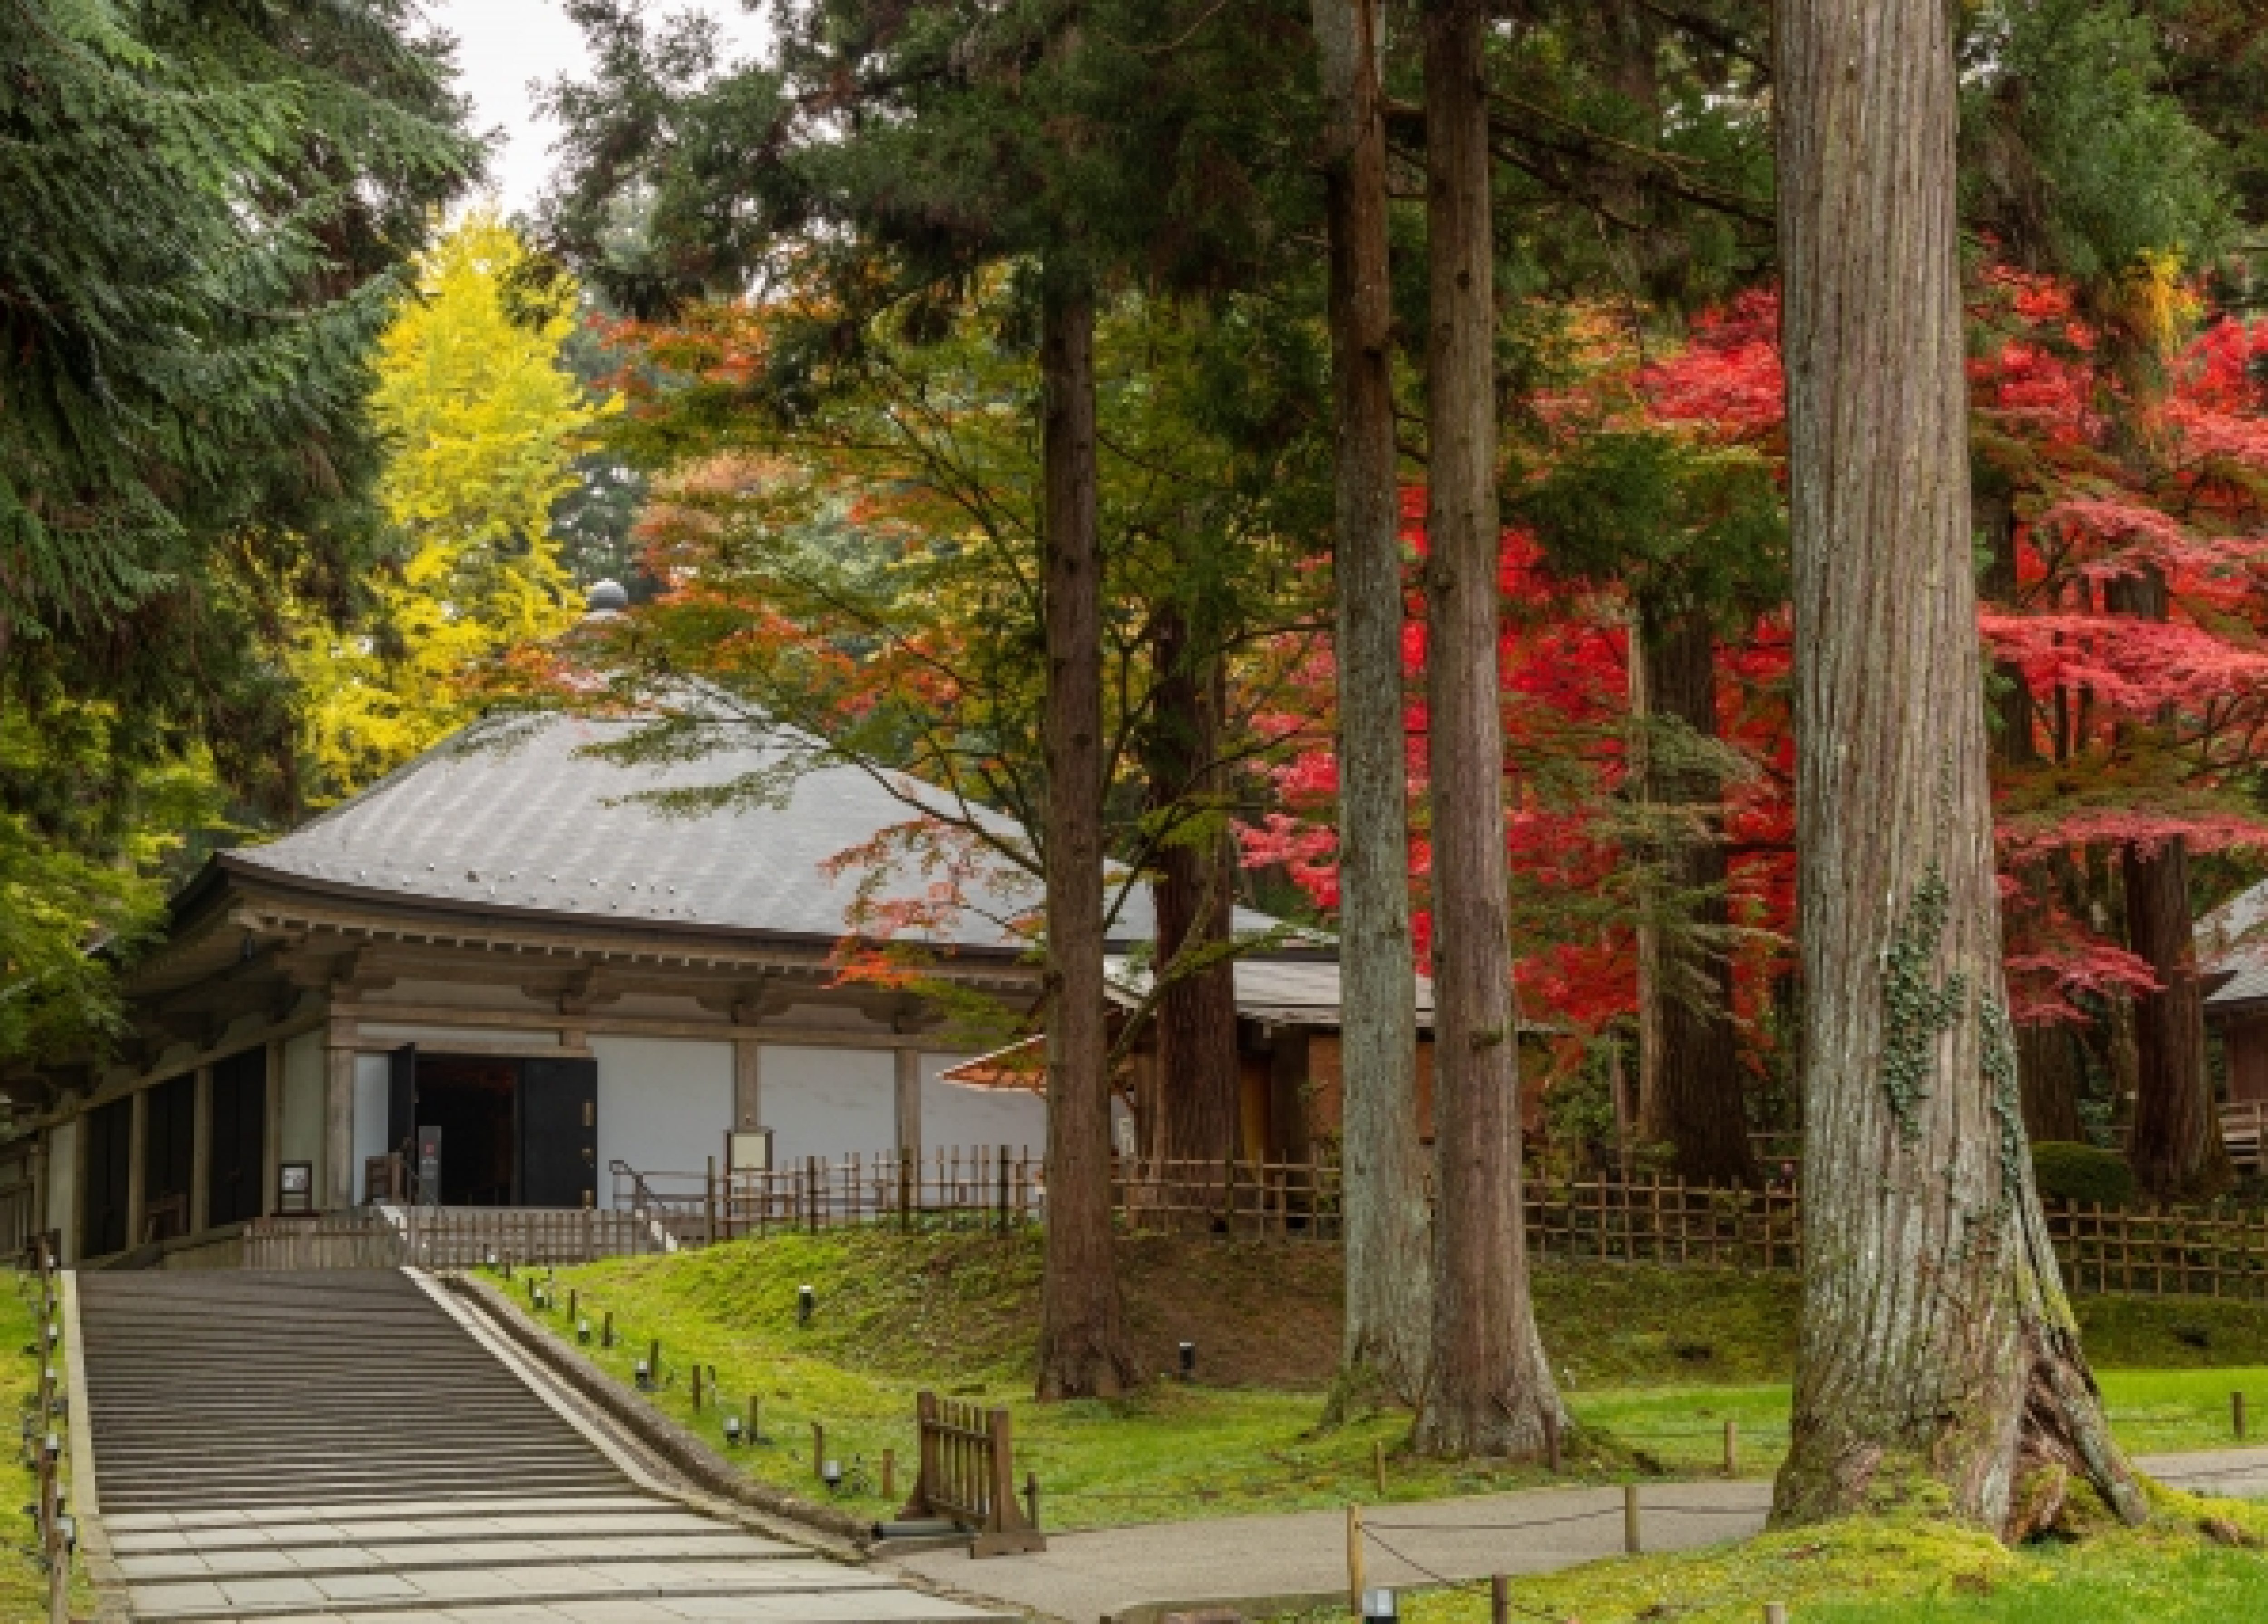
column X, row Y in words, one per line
column 484, row 424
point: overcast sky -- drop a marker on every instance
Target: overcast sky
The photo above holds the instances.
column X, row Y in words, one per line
column 504, row 47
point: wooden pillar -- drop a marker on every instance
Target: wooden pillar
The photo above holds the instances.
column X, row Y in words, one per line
column 272, row 1139
column 334, row 1177
column 200, row 1152
column 747, row 1083
column 906, row 1063
column 137, row 1151
column 1290, row 1133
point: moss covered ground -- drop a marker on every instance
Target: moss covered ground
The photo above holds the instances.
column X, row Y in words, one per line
column 1911, row 1569
column 1655, row 1362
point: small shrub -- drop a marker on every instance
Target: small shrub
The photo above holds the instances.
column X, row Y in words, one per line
column 2069, row 1172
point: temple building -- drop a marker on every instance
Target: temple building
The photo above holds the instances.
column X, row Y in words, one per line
column 509, row 940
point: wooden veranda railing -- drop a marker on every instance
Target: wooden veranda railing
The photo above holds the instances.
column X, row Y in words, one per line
column 449, row 1237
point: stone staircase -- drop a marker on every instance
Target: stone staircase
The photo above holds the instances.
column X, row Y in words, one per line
column 337, row 1445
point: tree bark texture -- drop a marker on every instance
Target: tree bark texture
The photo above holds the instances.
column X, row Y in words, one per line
column 1491, row 1391
column 2175, row 1147
column 1388, row 1285
column 1083, row 1350
column 1195, row 1015
column 1937, row 1342
column 1689, row 1088
column 2048, row 1067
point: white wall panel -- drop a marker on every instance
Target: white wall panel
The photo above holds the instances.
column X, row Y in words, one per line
column 663, row 1104
column 63, row 1185
column 371, row 1075
column 828, row 1102
column 955, row 1114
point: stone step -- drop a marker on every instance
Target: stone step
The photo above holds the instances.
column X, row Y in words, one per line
column 192, row 1601
column 432, row 1555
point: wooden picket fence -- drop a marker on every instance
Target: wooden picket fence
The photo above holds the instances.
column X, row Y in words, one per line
column 449, row 1237
column 2141, row 1251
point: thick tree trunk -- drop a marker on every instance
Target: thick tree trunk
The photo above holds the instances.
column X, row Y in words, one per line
column 1388, row 1288
column 1937, row 1341
column 1083, row 1346
column 1689, row 1092
column 1195, row 1015
column 2047, row 1065
column 1491, row 1391
column 2176, row 1148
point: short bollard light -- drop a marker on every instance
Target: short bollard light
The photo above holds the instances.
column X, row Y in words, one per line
column 55, row 1333
column 805, row 1301
column 830, row 1473
column 644, row 1374
column 492, row 1257
column 1379, row 1606
column 583, row 1330
column 732, row 1430
column 53, row 1447
column 1188, row 1360
column 68, row 1528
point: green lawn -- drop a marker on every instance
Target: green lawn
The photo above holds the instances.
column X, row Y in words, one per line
column 1657, row 1361
column 23, row 1582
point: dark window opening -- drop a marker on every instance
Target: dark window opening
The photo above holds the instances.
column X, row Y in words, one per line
column 239, row 1137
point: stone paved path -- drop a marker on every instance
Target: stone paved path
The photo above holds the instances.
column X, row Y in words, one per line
column 1082, row 1577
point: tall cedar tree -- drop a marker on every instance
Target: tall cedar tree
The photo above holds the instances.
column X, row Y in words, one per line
column 902, row 149
column 1937, row 1342
column 1490, row 1389
column 1388, row 1288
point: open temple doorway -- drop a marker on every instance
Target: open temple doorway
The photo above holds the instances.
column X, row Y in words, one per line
column 513, row 1133
column 474, row 1102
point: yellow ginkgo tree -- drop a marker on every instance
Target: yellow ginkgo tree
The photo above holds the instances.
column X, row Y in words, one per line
column 485, row 423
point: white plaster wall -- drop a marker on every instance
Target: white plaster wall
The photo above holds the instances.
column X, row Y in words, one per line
column 955, row 1114
column 828, row 1102
column 301, row 1137
column 663, row 1104
column 372, row 1074
column 63, row 1185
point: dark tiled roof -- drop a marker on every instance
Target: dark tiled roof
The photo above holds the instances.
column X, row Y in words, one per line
column 525, row 817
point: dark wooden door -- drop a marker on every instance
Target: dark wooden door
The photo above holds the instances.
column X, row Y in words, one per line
column 239, row 1137
column 109, row 1164
column 558, row 1133
column 168, row 1158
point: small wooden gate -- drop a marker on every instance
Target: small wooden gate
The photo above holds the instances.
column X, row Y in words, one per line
column 968, row 1473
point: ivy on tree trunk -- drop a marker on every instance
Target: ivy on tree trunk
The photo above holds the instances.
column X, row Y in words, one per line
column 1937, row 1343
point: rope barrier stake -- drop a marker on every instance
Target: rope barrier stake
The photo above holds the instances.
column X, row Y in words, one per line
column 1775, row 1612
column 1499, row 1600
column 1732, row 1448
column 2236, row 1415
column 1354, row 1559
column 1378, row 1463
column 1633, row 1541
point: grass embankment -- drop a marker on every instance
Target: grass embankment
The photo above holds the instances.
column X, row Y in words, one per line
column 23, row 1580
column 1655, row 1362
column 1910, row 1570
